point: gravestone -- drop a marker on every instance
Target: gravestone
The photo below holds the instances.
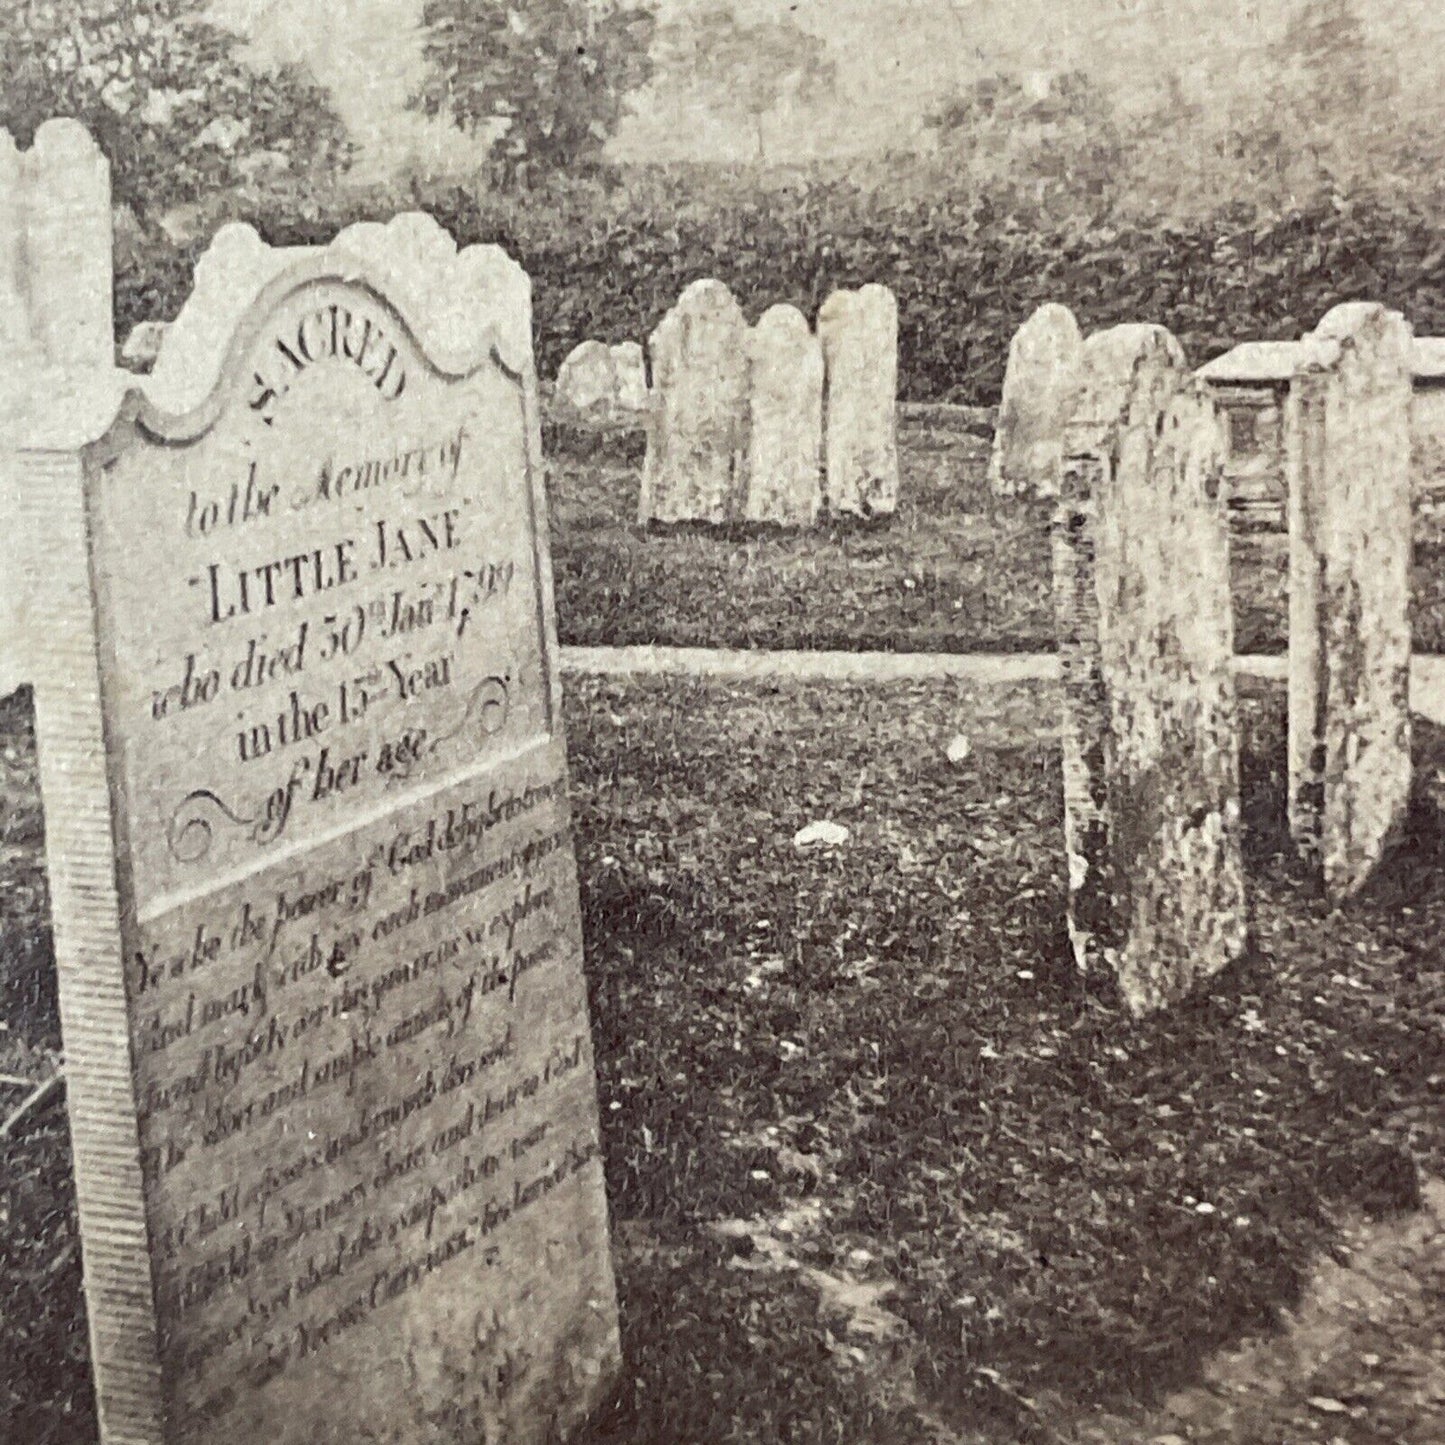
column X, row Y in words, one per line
column 587, row 380
column 315, row 902
column 56, row 285
column 1150, row 742
column 1039, row 391
column 785, row 410
column 859, row 333
column 696, row 463
column 631, row 368
column 69, row 245
column 1347, row 450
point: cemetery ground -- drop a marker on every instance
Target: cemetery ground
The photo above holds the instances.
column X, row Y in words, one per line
column 881, row 1166
column 955, row 570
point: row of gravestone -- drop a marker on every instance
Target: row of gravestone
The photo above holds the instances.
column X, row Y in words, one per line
column 1132, row 448
column 1249, row 384
column 769, row 423
column 311, row 868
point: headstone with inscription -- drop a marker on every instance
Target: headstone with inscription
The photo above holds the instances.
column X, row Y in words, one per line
column 859, row 333
column 1150, row 736
column 785, row 420
column 315, row 903
column 695, row 469
column 1039, row 391
column 1347, row 459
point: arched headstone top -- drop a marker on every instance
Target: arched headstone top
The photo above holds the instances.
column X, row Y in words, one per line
column 1040, row 391
column 873, row 300
column 64, row 139
column 709, row 301
column 463, row 306
column 785, row 320
column 1129, row 372
column 1352, row 324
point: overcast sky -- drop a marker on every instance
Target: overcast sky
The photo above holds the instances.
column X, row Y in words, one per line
column 894, row 57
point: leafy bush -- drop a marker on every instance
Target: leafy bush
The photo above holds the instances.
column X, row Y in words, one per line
column 608, row 260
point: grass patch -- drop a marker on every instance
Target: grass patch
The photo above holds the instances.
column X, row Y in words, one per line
column 955, row 570
column 1075, row 1209
column 888, row 1043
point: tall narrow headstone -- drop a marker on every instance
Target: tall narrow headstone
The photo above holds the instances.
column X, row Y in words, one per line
column 315, row 903
column 14, row 311
column 785, row 408
column 1347, row 453
column 859, row 332
column 17, row 348
column 696, row 464
column 1151, row 752
column 1040, row 387
column 70, row 246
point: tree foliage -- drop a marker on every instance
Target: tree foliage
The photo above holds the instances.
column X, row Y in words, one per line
column 167, row 95
column 547, row 81
column 1057, row 137
column 745, row 70
column 1327, row 115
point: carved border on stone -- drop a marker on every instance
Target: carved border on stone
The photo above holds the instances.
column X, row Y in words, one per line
column 85, row 862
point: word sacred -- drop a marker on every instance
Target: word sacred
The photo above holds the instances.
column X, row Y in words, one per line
column 303, row 574
column 330, row 332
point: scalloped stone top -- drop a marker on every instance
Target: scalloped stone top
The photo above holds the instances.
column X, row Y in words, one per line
column 461, row 304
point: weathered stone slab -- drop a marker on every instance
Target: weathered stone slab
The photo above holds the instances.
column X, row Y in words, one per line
column 785, row 434
column 859, row 333
column 696, row 464
column 631, row 368
column 314, row 896
column 69, row 245
column 1347, row 449
column 56, row 286
column 1151, row 753
column 1040, row 388
column 587, row 380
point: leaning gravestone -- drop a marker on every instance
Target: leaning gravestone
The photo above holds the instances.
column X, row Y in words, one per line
column 1151, row 751
column 1039, row 390
column 1347, row 449
column 785, row 411
column 696, row 464
column 315, row 904
column 859, row 333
